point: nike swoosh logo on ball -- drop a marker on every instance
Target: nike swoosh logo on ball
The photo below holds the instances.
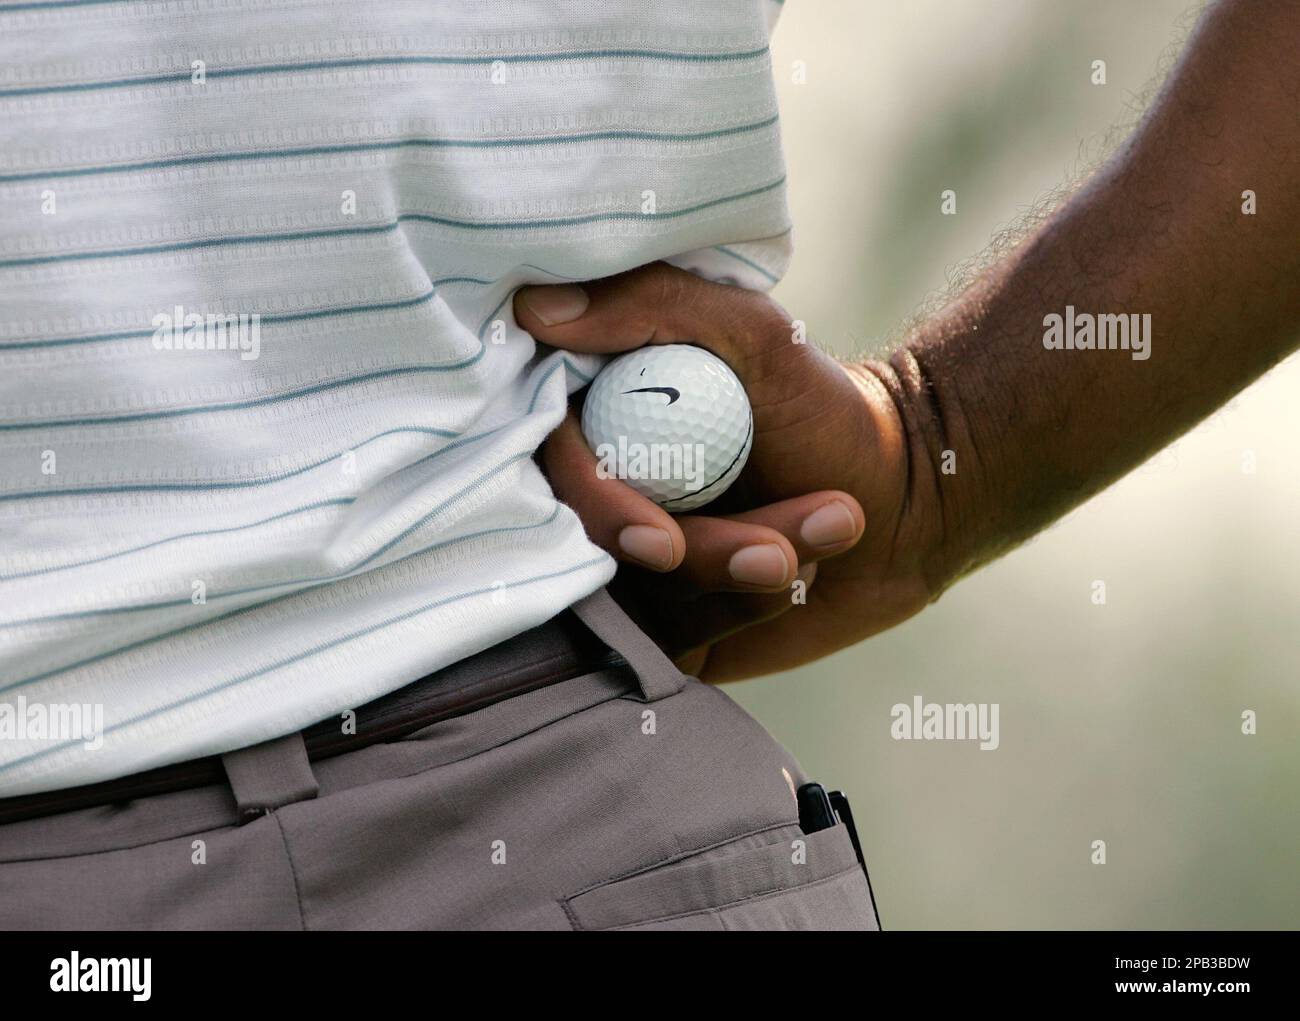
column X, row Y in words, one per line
column 672, row 393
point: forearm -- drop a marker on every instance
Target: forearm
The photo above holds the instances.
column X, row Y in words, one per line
column 1159, row 231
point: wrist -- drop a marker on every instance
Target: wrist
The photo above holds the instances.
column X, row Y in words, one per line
column 941, row 528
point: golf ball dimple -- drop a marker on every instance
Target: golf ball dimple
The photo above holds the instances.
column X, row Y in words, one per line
column 673, row 421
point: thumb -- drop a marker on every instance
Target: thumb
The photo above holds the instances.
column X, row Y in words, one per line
column 656, row 304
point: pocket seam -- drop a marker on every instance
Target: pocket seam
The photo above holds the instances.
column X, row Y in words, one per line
column 569, row 903
column 673, row 859
column 719, row 908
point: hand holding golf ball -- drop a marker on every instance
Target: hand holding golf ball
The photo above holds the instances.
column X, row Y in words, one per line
column 708, row 393
column 673, row 422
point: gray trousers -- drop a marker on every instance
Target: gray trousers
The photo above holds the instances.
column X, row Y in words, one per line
column 628, row 798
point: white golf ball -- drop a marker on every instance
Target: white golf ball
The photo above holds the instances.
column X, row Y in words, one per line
column 673, row 421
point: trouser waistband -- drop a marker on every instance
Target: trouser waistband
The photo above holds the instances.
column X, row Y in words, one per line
column 593, row 634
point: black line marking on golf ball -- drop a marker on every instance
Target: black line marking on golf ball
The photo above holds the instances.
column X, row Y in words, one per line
column 744, row 448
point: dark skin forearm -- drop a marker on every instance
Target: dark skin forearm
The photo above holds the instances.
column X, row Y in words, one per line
column 846, row 491
column 1160, row 230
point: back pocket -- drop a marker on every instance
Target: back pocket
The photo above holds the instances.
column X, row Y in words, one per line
column 785, row 879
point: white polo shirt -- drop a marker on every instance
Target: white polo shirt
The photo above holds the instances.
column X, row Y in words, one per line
column 266, row 420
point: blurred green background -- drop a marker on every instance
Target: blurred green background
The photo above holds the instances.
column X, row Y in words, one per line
column 1118, row 722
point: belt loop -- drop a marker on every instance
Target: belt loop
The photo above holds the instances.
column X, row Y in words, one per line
column 270, row 775
column 656, row 673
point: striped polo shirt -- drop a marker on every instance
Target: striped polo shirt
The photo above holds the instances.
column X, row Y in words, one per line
column 267, row 423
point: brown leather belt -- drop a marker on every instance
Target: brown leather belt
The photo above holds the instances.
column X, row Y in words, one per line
column 558, row 650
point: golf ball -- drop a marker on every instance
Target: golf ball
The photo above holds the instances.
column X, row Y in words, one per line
column 672, row 421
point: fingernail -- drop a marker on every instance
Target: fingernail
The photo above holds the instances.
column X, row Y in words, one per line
column 647, row 545
column 562, row 303
column 829, row 526
column 763, row 565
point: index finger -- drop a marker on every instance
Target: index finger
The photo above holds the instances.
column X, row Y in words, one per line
column 655, row 304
